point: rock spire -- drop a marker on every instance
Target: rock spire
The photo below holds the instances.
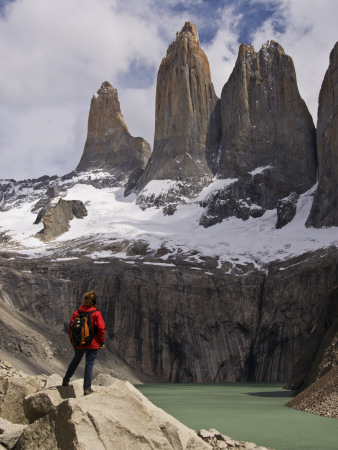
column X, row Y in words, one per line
column 268, row 136
column 324, row 210
column 109, row 145
column 265, row 121
column 187, row 125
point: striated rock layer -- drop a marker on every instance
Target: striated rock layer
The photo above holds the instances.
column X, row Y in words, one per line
column 187, row 124
column 186, row 325
column 320, row 354
column 324, row 212
column 109, row 145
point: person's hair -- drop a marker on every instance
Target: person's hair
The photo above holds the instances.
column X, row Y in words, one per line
column 89, row 298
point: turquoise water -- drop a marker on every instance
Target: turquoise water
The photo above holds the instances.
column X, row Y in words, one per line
column 252, row 412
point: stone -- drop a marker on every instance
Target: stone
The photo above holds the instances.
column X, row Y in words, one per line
column 53, row 380
column 118, row 416
column 268, row 136
column 204, row 434
column 109, row 145
column 286, row 209
column 9, row 433
column 187, row 117
column 13, row 391
column 56, row 218
column 41, row 403
column 324, row 212
column 104, row 379
column 219, row 441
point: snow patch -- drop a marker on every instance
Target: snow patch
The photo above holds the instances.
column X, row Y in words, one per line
column 260, row 170
column 113, row 218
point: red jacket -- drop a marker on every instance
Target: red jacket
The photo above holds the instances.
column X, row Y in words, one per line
column 98, row 324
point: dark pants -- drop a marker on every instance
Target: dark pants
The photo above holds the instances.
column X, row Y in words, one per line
column 91, row 354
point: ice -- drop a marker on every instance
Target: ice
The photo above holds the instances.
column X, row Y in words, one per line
column 115, row 218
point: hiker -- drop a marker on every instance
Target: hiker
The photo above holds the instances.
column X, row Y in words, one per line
column 86, row 312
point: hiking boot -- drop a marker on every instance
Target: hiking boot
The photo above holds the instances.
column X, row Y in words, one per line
column 65, row 382
column 88, row 391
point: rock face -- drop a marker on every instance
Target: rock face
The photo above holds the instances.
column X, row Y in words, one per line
column 184, row 325
column 320, row 353
column 109, row 145
column 268, row 136
column 187, row 125
column 324, row 212
column 286, row 209
column 56, row 219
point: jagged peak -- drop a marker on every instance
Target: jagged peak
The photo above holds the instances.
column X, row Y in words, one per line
column 188, row 32
column 106, row 89
column 245, row 49
column 272, row 46
column 189, row 29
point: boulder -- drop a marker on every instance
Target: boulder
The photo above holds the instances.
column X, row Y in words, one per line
column 56, row 218
column 113, row 417
column 324, row 212
column 109, row 145
column 9, row 433
column 13, row 391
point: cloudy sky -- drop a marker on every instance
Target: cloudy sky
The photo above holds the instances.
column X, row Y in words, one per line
column 56, row 53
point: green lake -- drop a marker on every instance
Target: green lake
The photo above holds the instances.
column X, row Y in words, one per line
column 253, row 412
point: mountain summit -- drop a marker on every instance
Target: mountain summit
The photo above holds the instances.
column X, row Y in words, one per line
column 109, row 145
column 187, row 125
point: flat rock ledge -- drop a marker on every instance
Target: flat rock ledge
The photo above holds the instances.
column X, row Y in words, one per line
column 38, row 412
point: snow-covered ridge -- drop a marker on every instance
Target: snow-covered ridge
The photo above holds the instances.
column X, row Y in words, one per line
column 113, row 218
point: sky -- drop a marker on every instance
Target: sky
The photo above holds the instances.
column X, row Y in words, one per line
column 55, row 54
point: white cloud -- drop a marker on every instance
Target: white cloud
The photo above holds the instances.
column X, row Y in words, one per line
column 222, row 51
column 309, row 34
column 55, row 54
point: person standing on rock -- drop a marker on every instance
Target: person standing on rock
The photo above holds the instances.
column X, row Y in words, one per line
column 88, row 310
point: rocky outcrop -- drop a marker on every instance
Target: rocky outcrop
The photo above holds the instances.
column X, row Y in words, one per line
column 268, row 136
column 56, row 218
column 286, row 209
column 220, row 441
column 187, row 123
column 115, row 416
column 109, row 145
column 324, row 212
column 187, row 324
